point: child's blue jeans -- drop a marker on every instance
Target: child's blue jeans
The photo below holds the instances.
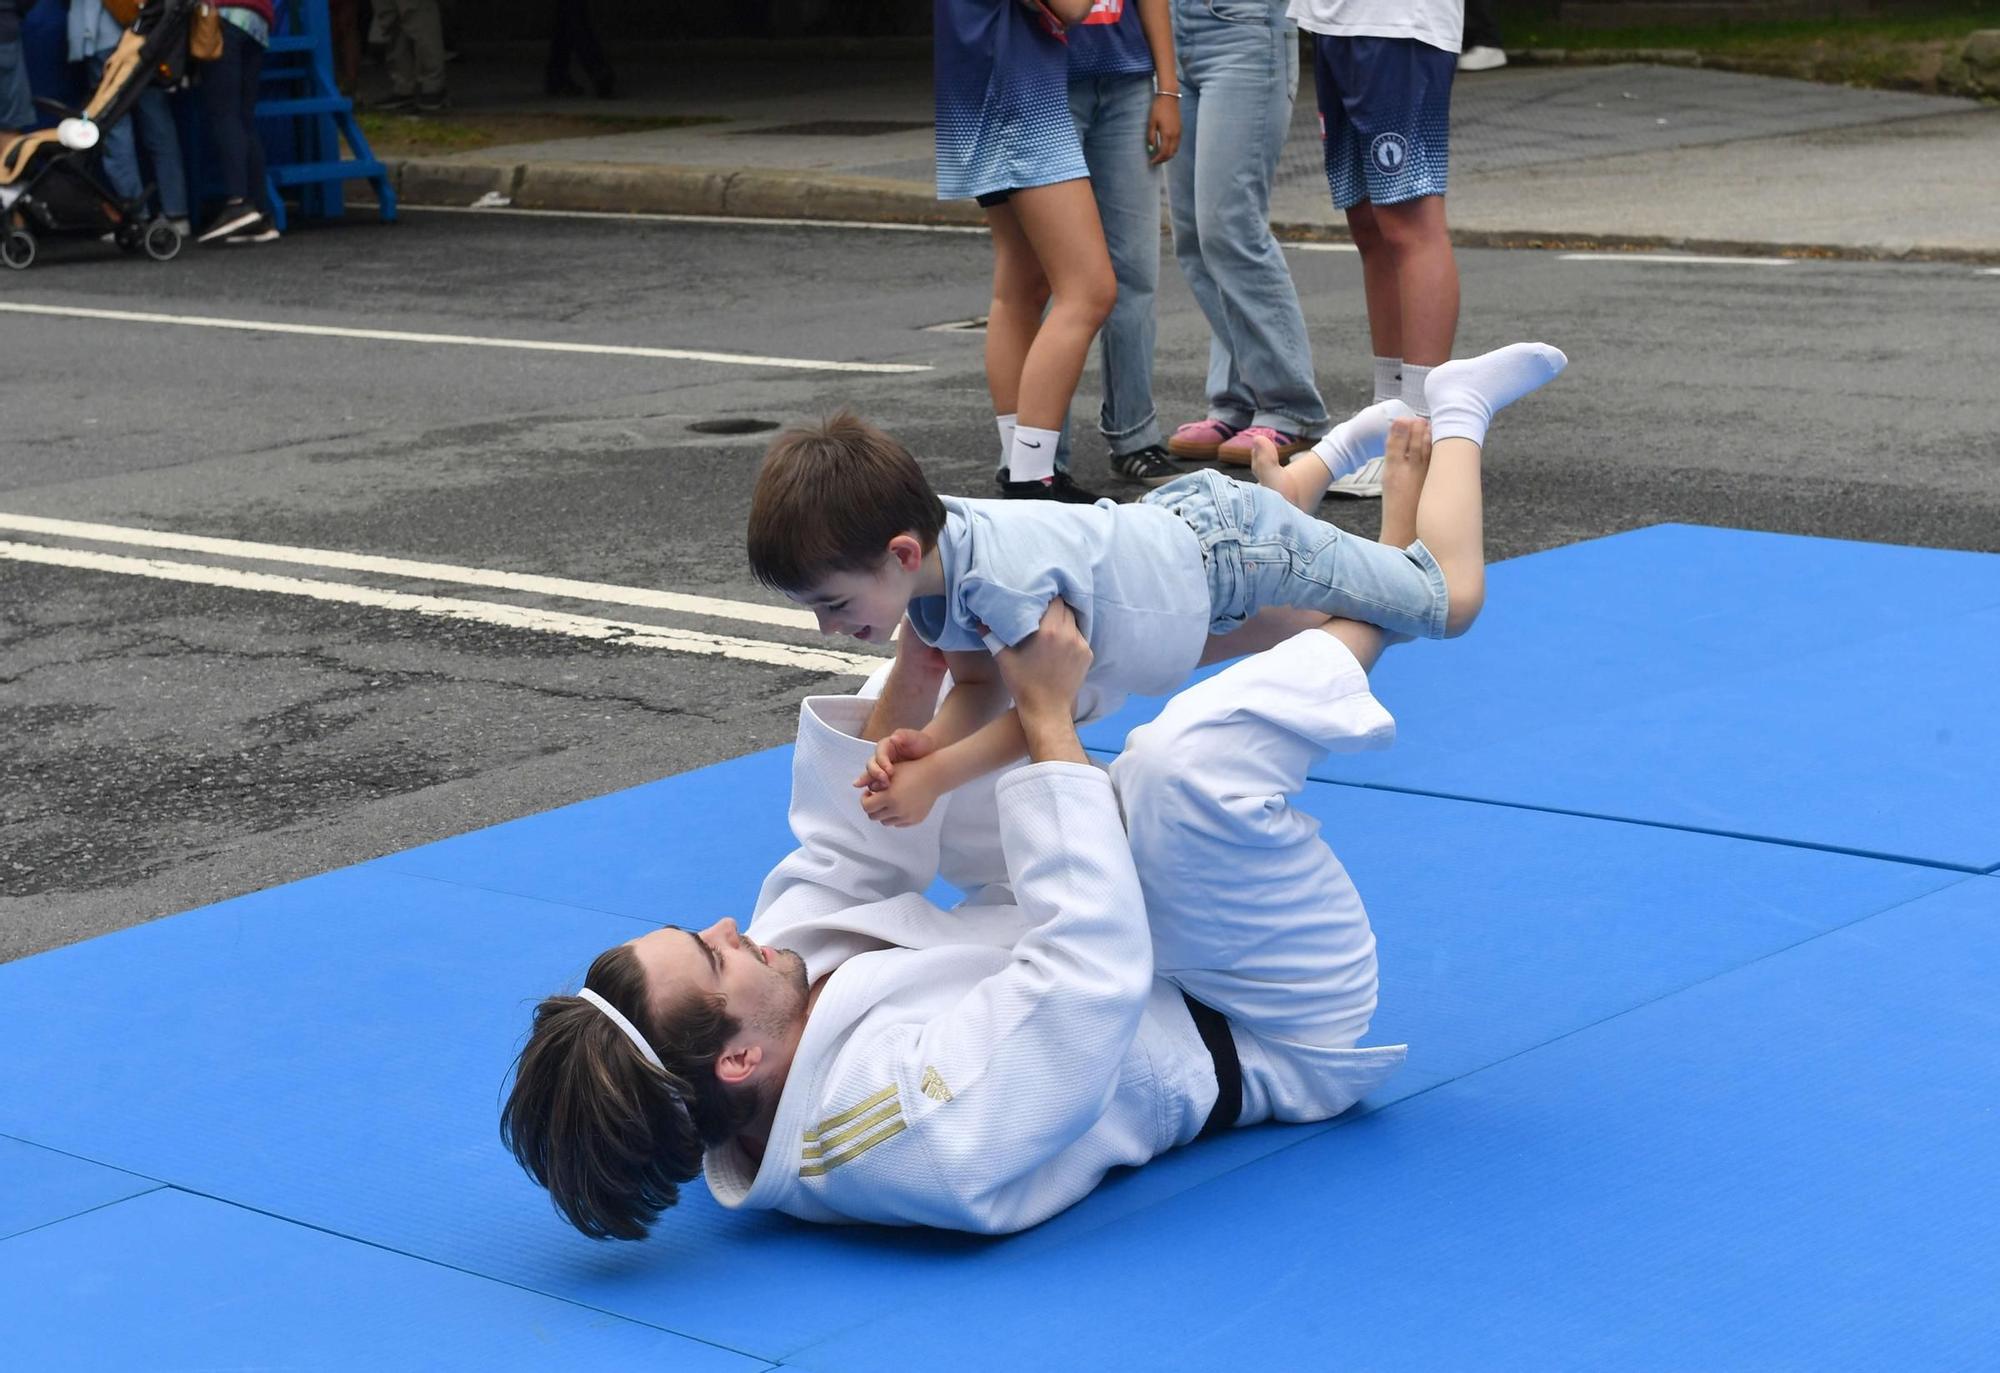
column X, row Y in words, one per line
column 1260, row 550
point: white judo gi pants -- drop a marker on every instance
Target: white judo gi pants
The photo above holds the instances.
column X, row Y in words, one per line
column 1251, row 912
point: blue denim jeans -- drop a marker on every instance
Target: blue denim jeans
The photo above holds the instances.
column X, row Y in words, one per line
column 1261, row 550
column 1239, row 63
column 158, row 135
column 1111, row 114
column 229, row 99
column 17, row 100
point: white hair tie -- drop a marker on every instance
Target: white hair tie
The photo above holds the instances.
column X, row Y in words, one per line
column 631, row 1030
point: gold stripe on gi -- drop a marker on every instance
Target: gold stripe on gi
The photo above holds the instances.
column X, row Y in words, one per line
column 830, row 1144
column 896, row 1127
column 835, row 1122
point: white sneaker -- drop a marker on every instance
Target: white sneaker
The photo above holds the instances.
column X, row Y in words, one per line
column 1365, row 480
column 1482, row 59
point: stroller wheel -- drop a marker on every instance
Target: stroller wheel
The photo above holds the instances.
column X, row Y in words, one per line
column 17, row 249
column 163, row 241
column 129, row 236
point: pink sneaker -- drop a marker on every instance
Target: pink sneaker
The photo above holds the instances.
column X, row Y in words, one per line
column 1200, row 439
column 1237, row 450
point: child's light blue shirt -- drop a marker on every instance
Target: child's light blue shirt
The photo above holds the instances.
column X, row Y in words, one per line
column 1132, row 573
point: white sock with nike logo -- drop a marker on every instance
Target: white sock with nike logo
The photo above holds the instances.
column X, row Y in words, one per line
column 1033, row 456
column 1005, row 424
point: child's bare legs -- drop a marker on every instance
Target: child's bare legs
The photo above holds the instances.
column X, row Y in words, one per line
column 1048, row 245
column 1406, row 461
column 1463, row 397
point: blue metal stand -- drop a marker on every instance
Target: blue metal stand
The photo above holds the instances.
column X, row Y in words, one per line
column 300, row 94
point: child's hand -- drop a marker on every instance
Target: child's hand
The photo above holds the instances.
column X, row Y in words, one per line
column 899, row 746
column 907, row 799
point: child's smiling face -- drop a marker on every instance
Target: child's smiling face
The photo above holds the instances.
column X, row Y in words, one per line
column 867, row 605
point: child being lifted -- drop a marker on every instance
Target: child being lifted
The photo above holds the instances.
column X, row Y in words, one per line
column 844, row 523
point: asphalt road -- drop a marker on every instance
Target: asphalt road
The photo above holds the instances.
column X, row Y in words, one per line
column 171, row 743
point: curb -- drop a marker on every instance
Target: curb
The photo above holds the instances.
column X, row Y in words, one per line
column 612, row 187
column 754, row 193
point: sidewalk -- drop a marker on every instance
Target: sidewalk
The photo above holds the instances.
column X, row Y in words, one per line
column 1614, row 155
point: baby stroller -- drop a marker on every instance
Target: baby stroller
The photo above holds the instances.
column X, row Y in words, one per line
column 48, row 183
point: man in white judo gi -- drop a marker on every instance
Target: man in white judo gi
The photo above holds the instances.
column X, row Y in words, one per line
column 1111, row 988
column 868, row 1056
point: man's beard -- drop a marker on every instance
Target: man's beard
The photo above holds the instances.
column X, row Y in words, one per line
column 780, row 1019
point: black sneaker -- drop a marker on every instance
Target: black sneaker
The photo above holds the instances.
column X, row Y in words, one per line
column 1149, row 466
column 433, row 104
column 260, row 230
column 1060, row 489
column 234, row 219
column 401, row 103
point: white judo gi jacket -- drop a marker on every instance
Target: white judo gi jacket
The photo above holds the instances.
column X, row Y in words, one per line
column 982, row 1068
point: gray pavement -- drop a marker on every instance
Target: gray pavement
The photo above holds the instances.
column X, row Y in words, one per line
column 173, row 744
column 1622, row 154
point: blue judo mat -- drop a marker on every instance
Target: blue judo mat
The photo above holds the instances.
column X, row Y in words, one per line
column 1701, row 1067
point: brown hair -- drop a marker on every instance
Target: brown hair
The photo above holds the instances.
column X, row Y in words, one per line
column 829, row 498
column 608, row 1134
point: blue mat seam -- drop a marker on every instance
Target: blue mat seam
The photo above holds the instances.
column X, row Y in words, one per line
column 1313, row 1133
column 71, row 1154
column 62, row 1220
column 1772, row 840
column 455, row 1268
column 511, row 895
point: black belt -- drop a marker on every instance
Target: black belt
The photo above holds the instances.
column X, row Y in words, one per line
column 1213, row 1026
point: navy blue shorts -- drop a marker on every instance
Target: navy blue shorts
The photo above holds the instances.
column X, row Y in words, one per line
column 1384, row 116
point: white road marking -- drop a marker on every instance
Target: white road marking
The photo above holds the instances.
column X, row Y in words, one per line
column 1988, row 272
column 461, row 340
column 480, row 612
column 1323, row 247
column 700, row 219
column 1703, row 259
column 569, row 588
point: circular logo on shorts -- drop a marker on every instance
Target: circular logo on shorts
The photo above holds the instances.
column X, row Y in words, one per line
column 1389, row 151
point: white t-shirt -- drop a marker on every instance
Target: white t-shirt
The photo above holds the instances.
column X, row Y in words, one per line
column 1440, row 23
column 1132, row 573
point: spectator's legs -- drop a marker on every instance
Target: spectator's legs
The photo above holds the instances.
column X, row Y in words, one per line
column 1112, row 113
column 1228, row 400
column 1482, row 25
column 118, row 154
column 251, row 67
column 1378, row 282
column 1248, row 74
column 1061, row 227
column 345, row 18
column 222, row 102
column 556, row 79
column 161, row 140
column 415, row 30
column 589, row 51
column 17, row 97
column 1020, row 293
column 1417, row 245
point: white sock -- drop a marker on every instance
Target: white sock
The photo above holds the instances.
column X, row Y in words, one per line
column 1005, row 424
column 1033, row 455
column 1465, row 393
column 1352, row 442
column 1388, row 378
column 1413, row 388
